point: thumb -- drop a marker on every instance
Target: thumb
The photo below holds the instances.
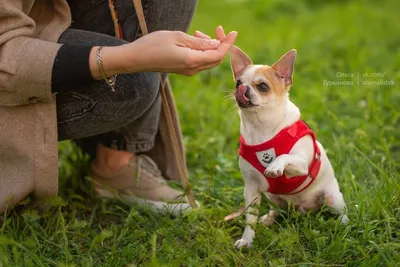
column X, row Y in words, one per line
column 200, row 43
column 228, row 42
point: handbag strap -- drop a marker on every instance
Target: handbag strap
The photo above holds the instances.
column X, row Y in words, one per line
column 165, row 88
column 140, row 14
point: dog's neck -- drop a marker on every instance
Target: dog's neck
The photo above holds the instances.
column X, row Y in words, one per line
column 263, row 124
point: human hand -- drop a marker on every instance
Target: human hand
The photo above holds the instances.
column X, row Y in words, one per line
column 178, row 52
column 168, row 51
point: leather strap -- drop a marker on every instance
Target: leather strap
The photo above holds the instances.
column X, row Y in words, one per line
column 114, row 15
column 140, row 14
column 165, row 89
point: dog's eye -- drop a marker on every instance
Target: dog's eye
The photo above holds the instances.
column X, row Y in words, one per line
column 263, row 87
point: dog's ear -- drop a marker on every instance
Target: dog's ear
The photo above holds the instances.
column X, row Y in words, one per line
column 284, row 67
column 239, row 61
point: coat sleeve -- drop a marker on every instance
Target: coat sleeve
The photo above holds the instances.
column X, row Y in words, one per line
column 25, row 62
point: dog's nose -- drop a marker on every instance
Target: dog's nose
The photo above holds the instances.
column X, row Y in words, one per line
column 247, row 93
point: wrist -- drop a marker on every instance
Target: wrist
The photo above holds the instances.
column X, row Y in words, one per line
column 129, row 58
column 113, row 61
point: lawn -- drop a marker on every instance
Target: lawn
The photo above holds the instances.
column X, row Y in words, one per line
column 358, row 123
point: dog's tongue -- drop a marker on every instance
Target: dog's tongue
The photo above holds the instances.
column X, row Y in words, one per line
column 240, row 94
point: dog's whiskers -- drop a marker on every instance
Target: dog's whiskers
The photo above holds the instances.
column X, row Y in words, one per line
column 232, row 108
column 228, row 97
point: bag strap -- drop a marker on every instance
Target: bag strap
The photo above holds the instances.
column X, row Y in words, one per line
column 165, row 89
column 140, row 14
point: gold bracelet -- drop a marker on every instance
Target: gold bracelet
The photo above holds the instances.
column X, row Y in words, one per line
column 109, row 80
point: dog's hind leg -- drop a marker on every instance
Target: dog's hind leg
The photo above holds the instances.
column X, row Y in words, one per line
column 269, row 218
column 335, row 202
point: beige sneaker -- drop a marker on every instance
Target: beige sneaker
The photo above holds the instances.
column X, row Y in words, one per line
column 141, row 182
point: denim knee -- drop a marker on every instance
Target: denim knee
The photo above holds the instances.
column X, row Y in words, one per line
column 138, row 93
column 97, row 109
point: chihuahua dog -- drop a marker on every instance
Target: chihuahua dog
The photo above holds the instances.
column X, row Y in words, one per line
column 279, row 154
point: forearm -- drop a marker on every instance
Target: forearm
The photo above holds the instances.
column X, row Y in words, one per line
column 76, row 65
column 162, row 51
column 71, row 68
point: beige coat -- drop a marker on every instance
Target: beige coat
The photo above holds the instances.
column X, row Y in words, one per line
column 29, row 30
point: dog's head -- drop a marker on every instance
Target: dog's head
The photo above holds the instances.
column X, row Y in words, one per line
column 260, row 86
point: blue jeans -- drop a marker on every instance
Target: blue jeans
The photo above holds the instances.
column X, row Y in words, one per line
column 127, row 119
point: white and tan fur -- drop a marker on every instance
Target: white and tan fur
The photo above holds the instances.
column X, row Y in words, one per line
column 262, row 117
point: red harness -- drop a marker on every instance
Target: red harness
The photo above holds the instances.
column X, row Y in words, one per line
column 260, row 156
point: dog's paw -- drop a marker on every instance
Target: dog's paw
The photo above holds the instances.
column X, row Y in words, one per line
column 266, row 220
column 274, row 170
column 344, row 219
column 269, row 218
column 243, row 243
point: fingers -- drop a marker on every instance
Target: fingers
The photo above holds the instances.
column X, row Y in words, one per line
column 202, row 41
column 201, row 56
column 227, row 42
column 219, row 33
column 213, row 56
column 199, row 34
column 199, row 43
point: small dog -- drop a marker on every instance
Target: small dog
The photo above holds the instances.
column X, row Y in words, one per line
column 279, row 154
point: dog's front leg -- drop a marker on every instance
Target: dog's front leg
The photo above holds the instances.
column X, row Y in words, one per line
column 253, row 200
column 292, row 165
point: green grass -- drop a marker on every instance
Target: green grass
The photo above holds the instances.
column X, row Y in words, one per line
column 358, row 125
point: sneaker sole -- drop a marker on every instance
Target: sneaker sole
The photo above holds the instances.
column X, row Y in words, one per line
column 156, row 206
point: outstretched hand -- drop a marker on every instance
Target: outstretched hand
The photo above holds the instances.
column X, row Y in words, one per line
column 168, row 51
column 178, row 52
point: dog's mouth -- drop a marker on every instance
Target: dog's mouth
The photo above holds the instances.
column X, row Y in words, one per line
column 248, row 104
column 242, row 96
